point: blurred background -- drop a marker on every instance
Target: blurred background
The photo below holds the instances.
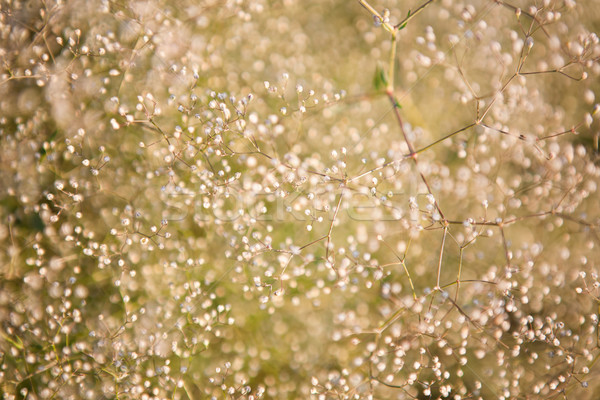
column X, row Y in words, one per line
column 217, row 199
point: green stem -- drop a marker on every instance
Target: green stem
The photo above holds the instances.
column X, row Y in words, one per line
column 410, row 15
column 392, row 65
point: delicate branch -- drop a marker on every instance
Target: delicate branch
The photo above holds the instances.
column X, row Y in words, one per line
column 400, row 25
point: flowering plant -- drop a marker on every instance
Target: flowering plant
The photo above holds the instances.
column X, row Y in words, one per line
column 240, row 199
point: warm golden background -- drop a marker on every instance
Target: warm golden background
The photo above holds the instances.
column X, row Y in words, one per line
column 218, row 199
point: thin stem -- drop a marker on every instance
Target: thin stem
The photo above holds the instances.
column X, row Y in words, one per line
column 505, row 245
column 444, row 138
column 392, row 64
column 395, row 104
column 375, row 13
column 402, row 261
column 411, row 15
column 439, row 272
column 458, row 281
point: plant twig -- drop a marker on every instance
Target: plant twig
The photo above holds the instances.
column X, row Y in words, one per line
column 400, row 25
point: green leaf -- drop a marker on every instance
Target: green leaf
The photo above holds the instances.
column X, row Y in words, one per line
column 380, row 80
column 404, row 24
column 17, row 342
